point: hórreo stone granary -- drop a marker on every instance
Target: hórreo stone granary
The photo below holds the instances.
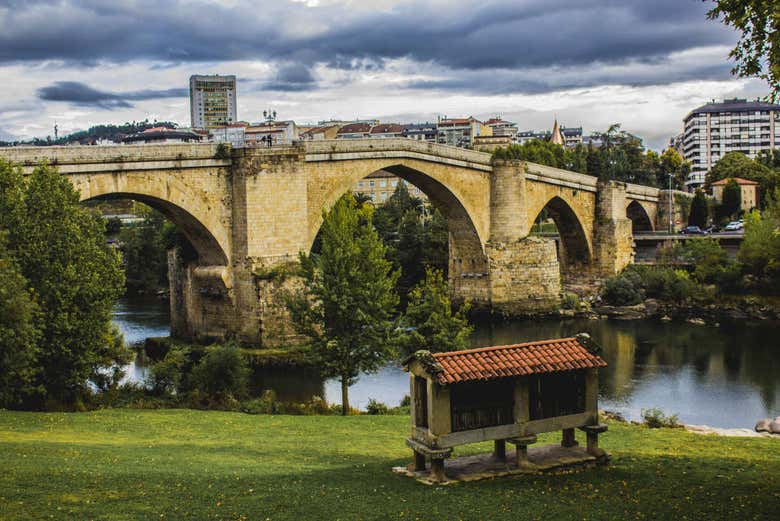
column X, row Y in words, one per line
column 506, row 394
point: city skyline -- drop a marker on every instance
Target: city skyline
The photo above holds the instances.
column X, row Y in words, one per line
column 590, row 64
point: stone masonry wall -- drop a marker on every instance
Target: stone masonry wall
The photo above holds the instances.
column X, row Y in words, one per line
column 525, row 276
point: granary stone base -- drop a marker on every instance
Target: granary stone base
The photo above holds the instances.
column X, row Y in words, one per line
column 546, row 458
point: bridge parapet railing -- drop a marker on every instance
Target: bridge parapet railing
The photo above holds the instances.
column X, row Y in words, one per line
column 346, row 146
column 557, row 176
column 90, row 154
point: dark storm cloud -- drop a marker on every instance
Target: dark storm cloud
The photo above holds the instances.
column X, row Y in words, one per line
column 459, row 36
column 292, row 77
column 80, row 94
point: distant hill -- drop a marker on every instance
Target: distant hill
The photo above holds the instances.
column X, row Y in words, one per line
column 95, row 134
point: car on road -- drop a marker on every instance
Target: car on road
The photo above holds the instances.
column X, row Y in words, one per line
column 712, row 229
column 692, row 230
column 734, row 226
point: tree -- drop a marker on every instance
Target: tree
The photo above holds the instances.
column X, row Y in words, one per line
column 732, row 198
column 348, row 299
column 757, row 54
column 544, row 152
column 736, row 164
column 74, row 276
column 759, row 252
column 671, row 162
column 18, row 335
column 698, row 215
column 429, row 321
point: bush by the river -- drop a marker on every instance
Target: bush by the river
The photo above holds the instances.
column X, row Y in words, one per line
column 637, row 282
column 655, row 418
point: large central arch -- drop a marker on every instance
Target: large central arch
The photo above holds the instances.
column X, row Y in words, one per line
column 468, row 264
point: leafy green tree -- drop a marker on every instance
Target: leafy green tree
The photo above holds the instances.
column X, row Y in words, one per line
column 429, row 321
column 671, row 162
column 709, row 260
column 757, row 54
column 594, row 164
column 19, row 336
column 74, row 276
column 759, row 252
column 222, row 374
column 415, row 236
column 348, row 300
column 732, row 198
column 698, row 214
column 737, row 164
column 546, row 153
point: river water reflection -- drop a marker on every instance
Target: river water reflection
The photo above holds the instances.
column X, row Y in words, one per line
column 727, row 376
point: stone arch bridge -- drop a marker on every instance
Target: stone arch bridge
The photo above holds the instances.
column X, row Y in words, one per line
column 250, row 211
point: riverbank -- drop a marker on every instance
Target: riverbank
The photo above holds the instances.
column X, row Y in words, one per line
column 181, row 464
column 729, row 307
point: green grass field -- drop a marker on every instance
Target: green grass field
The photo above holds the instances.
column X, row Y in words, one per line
column 183, row 464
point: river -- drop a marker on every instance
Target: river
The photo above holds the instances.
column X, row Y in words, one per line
column 726, row 376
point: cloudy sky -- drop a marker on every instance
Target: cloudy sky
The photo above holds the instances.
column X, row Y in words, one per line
column 589, row 62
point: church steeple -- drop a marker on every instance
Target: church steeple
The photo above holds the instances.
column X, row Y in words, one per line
column 557, row 135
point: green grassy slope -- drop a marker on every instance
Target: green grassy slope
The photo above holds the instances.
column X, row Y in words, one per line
column 183, row 464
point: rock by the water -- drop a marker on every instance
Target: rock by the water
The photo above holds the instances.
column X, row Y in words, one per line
column 666, row 318
column 774, row 426
column 696, row 321
column 763, row 425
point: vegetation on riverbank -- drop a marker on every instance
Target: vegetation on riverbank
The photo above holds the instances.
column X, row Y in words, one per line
column 177, row 464
column 700, row 273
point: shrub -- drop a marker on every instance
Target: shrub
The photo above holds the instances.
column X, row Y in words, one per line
column 222, row 373
column 166, row 376
column 666, row 283
column 265, row 404
column 406, row 401
column 376, row 408
column 570, row 301
column 655, row 419
column 623, row 290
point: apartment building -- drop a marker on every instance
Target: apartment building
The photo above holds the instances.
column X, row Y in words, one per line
column 460, row 132
column 380, row 186
column 733, row 125
column 502, row 128
column 212, row 101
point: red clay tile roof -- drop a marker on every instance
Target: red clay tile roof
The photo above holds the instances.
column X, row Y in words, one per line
column 739, row 181
column 353, row 128
column 387, row 128
column 487, row 363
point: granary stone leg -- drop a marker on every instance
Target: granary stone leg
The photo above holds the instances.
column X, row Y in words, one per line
column 521, row 450
column 592, row 433
column 419, row 461
column 568, row 438
column 593, row 443
column 437, row 470
column 499, row 450
column 521, row 455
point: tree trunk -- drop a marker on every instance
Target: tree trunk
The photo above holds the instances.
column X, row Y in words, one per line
column 344, row 396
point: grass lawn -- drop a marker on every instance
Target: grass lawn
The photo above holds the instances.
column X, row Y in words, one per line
column 182, row 464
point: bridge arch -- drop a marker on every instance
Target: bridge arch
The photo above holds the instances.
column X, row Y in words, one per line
column 640, row 218
column 574, row 247
column 467, row 226
column 182, row 205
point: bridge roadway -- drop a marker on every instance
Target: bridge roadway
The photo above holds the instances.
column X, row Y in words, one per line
column 248, row 211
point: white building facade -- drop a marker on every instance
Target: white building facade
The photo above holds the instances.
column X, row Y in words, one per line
column 734, row 125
